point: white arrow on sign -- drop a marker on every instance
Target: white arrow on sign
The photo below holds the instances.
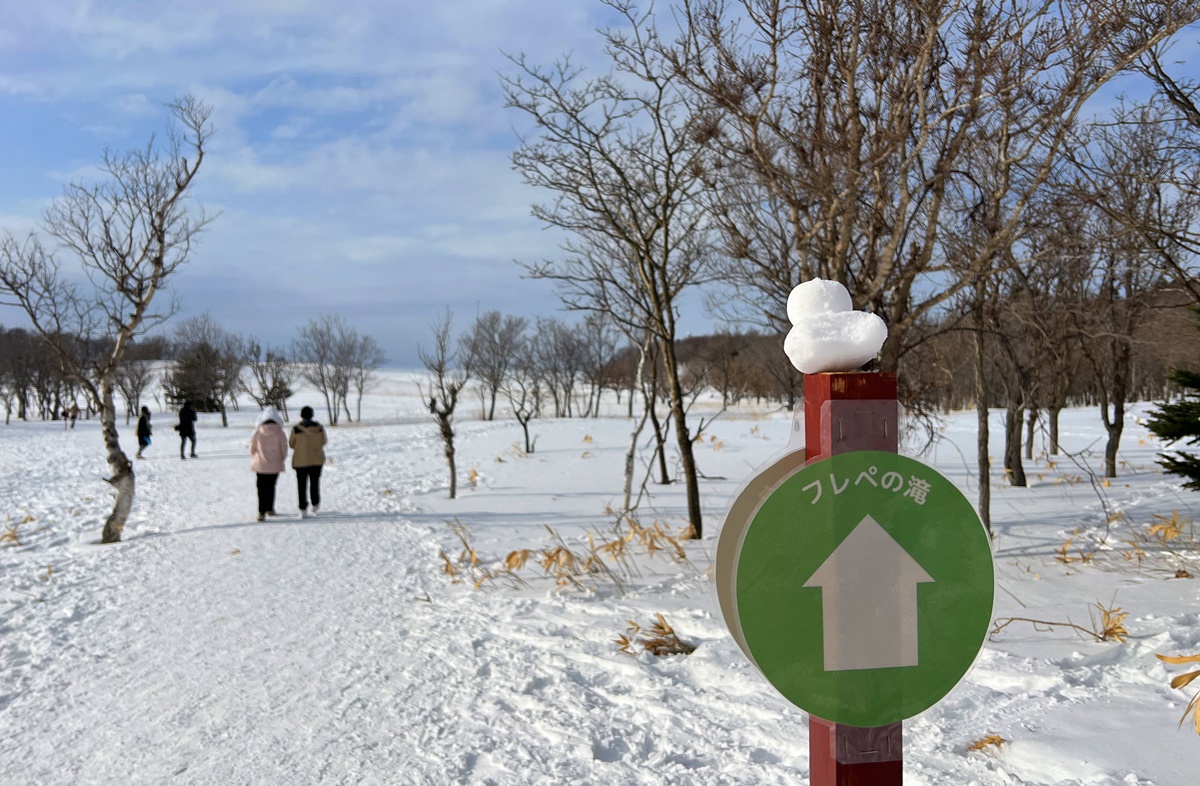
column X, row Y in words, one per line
column 869, row 601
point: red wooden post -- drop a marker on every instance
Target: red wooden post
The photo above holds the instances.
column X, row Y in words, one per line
column 844, row 412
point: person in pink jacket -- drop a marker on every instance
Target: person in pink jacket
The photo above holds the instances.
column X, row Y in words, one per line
column 268, row 451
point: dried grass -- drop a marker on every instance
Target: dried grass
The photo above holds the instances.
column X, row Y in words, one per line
column 1183, row 680
column 990, row 741
column 599, row 558
column 659, row 640
column 10, row 536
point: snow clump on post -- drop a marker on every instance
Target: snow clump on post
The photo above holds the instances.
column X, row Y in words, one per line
column 827, row 334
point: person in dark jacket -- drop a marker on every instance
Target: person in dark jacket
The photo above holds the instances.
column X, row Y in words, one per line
column 187, row 428
column 308, row 456
column 143, row 431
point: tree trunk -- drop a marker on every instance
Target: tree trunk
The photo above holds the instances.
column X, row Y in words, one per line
column 1114, row 399
column 224, row 416
column 1012, row 445
column 120, row 466
column 1112, row 445
column 660, row 451
column 330, row 410
column 448, row 438
column 1030, row 426
column 1052, row 418
column 525, row 428
column 981, row 411
column 684, row 439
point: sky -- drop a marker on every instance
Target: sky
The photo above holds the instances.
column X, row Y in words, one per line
column 361, row 162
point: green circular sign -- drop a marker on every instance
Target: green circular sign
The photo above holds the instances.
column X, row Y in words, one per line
column 865, row 587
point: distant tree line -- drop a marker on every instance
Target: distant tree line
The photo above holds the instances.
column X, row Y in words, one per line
column 33, row 385
column 203, row 363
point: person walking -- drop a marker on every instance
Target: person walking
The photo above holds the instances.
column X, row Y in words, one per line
column 308, row 456
column 74, row 412
column 268, row 451
column 187, row 428
column 143, row 431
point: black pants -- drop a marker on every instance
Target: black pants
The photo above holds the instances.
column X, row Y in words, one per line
column 266, row 492
column 183, row 440
column 313, row 477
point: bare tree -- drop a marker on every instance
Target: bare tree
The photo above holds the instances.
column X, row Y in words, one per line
column 334, row 358
column 622, row 155
column 208, row 366
column 271, row 376
column 1177, row 116
column 365, row 359
column 131, row 380
column 525, row 391
column 129, row 233
column 599, row 342
column 490, row 348
column 318, row 351
column 840, row 132
column 444, row 388
column 558, row 361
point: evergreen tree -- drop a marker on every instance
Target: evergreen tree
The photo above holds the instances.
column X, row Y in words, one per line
column 1178, row 421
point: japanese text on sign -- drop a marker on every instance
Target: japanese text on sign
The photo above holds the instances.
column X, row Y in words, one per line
column 917, row 488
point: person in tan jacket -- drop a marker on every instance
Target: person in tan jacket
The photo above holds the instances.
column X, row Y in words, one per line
column 308, row 456
column 268, row 451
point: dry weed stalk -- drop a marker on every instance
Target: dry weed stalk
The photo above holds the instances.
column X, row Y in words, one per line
column 1067, row 559
column 1109, row 627
column 1182, row 681
column 10, row 535
column 659, row 640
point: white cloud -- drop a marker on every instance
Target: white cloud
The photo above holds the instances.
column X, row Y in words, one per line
column 361, row 155
column 137, row 104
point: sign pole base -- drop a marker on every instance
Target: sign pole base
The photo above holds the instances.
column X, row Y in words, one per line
column 841, row 755
column 845, row 412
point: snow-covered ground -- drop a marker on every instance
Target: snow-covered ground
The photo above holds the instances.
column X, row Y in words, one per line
column 210, row 649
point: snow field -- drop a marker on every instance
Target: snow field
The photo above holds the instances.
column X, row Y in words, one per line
column 210, row 649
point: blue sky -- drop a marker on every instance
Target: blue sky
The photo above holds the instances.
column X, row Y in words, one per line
column 361, row 162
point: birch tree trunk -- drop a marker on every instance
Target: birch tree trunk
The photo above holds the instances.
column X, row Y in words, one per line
column 119, row 464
